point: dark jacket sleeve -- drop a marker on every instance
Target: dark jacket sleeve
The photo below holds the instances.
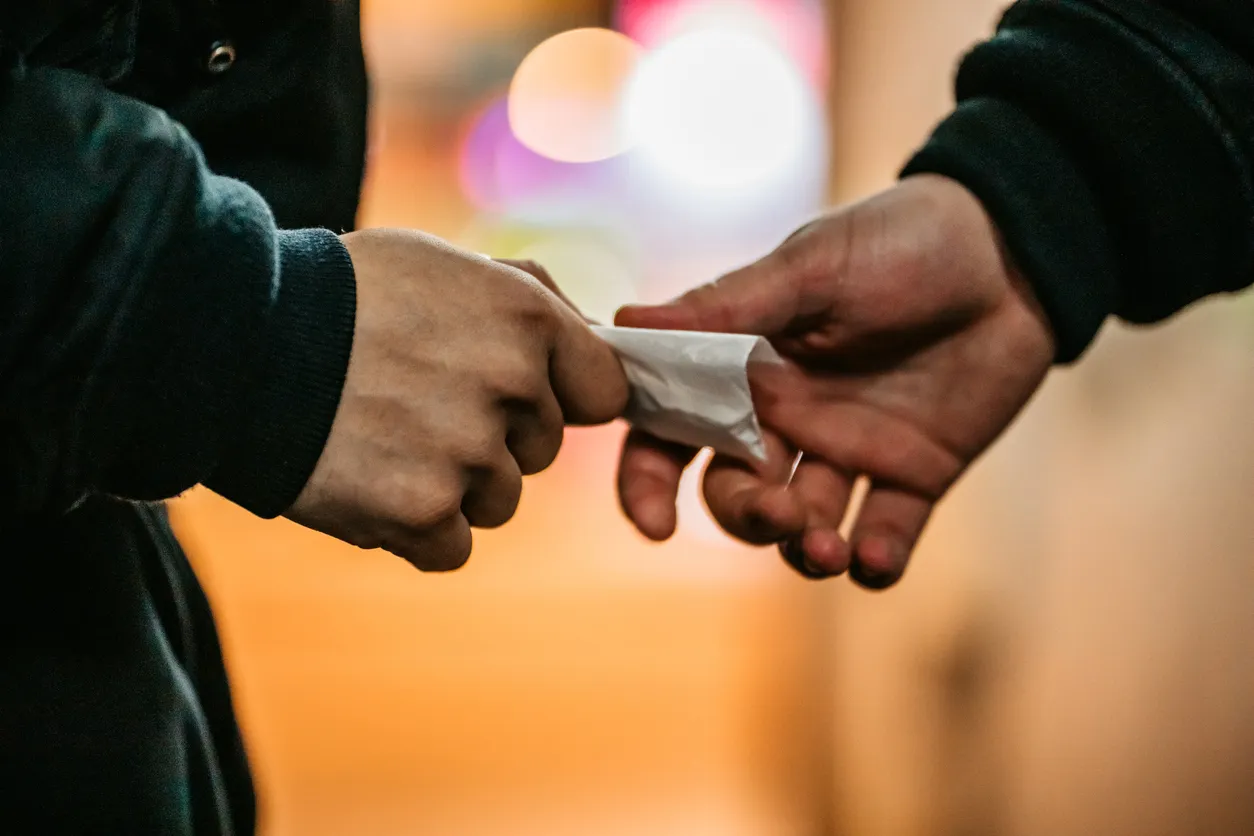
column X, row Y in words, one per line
column 1112, row 142
column 156, row 329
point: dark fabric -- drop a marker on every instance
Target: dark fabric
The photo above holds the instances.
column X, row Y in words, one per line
column 1111, row 141
column 271, row 454
column 171, row 314
column 115, row 716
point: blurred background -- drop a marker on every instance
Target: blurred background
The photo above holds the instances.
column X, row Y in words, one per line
column 1069, row 653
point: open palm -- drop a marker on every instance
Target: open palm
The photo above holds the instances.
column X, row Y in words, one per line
column 912, row 344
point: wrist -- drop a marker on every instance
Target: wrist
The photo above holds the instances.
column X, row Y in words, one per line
column 969, row 223
column 301, row 376
column 1042, row 205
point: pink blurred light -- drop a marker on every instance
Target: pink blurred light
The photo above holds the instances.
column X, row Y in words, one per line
column 797, row 25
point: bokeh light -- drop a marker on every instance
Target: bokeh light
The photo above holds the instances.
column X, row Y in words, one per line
column 719, row 109
column 795, row 26
column 498, row 173
column 594, row 276
column 595, row 268
column 564, row 98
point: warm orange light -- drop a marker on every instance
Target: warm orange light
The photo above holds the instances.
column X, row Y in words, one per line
column 564, row 99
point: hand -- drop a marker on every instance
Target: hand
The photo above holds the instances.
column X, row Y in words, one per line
column 538, row 272
column 462, row 377
column 912, row 345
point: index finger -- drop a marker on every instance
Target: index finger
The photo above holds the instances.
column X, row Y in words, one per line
column 587, row 376
column 538, row 272
column 752, row 502
column 761, row 298
column 648, row 482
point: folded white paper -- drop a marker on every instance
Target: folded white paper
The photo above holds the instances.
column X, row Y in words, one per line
column 692, row 387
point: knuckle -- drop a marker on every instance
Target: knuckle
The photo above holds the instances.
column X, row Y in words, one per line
column 428, row 503
column 536, row 269
column 507, row 485
column 548, row 448
column 443, row 505
column 499, row 505
column 537, row 325
column 795, row 259
column 476, row 446
column 495, row 493
column 538, row 448
column 550, row 424
column 442, row 548
column 456, row 557
column 535, row 312
column 516, row 379
column 715, row 299
column 804, row 269
column 451, row 550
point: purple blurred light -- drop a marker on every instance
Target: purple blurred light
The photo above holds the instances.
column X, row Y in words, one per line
column 498, row 173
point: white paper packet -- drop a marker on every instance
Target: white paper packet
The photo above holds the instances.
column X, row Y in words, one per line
column 692, row 387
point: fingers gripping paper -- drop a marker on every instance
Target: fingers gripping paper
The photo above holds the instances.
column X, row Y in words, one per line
column 693, row 387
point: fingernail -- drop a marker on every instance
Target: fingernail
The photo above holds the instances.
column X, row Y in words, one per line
column 796, row 557
column 879, row 577
column 870, row 579
column 811, row 567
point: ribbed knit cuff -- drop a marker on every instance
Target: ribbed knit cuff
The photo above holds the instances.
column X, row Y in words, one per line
column 1041, row 204
column 289, row 416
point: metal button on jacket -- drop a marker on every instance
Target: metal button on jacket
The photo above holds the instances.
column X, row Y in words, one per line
column 221, row 57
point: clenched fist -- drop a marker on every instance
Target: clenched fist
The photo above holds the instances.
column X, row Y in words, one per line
column 463, row 374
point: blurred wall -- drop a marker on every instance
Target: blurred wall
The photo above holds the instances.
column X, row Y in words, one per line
column 1069, row 653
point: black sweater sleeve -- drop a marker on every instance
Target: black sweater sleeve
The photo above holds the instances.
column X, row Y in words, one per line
column 1112, row 142
column 156, row 329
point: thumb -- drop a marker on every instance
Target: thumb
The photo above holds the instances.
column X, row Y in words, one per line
column 763, row 298
column 584, row 371
column 586, row 374
column 538, row 272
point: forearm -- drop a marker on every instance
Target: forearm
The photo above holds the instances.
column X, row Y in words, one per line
column 147, row 305
column 1111, row 141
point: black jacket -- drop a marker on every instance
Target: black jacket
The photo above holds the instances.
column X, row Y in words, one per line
column 1113, row 143
column 157, row 330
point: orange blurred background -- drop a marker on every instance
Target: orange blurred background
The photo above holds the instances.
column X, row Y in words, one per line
column 1067, row 655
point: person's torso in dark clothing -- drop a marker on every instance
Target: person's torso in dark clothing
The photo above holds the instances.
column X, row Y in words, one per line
column 115, row 714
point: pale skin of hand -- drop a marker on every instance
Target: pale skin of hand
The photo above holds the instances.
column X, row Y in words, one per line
column 462, row 377
column 912, row 343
